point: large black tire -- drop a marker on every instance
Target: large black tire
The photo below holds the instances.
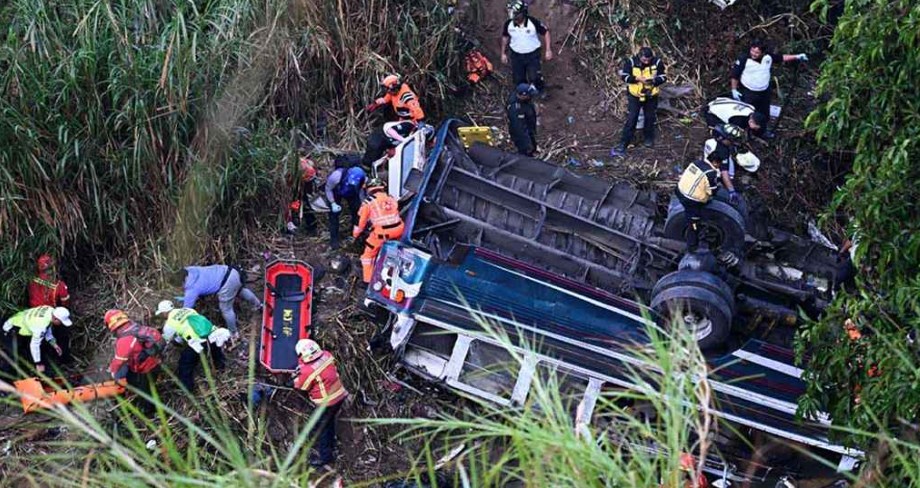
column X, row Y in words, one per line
column 701, row 300
column 701, row 279
column 723, row 225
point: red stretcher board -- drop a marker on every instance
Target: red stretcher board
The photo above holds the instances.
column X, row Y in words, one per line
column 287, row 314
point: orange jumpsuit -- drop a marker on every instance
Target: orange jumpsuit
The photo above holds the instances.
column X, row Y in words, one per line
column 383, row 212
column 404, row 101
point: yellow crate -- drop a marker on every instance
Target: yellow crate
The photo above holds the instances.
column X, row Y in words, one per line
column 470, row 135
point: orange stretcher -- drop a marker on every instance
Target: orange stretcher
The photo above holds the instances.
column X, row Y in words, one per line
column 36, row 395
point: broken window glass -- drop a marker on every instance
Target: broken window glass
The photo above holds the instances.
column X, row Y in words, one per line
column 490, row 368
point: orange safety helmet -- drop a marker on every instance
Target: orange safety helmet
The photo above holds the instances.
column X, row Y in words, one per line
column 44, row 262
column 391, row 82
column 307, row 169
column 116, row 318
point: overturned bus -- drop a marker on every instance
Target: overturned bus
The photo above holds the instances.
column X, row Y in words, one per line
column 580, row 267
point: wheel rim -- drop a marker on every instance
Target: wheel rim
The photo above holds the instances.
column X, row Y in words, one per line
column 699, row 324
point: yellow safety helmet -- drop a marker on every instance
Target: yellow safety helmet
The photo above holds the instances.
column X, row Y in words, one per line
column 308, row 350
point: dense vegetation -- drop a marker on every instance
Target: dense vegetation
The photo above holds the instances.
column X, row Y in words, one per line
column 871, row 105
column 120, row 120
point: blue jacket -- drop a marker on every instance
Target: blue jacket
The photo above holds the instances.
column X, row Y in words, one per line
column 202, row 281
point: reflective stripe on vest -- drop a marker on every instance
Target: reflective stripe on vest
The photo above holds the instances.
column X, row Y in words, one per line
column 639, row 89
column 32, row 321
column 178, row 319
column 694, row 184
column 383, row 210
column 323, row 380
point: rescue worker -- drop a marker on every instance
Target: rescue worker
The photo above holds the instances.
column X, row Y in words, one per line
column 643, row 75
column 390, row 135
column 729, row 111
column 521, row 39
column 751, row 75
column 35, row 325
column 227, row 282
column 188, row 327
column 47, row 289
column 299, row 213
column 382, row 211
column 401, row 98
column 697, row 186
column 522, row 119
column 137, row 354
column 724, row 147
column 344, row 185
column 317, row 375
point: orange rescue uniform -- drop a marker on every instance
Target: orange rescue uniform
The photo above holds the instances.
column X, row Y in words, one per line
column 404, row 101
column 45, row 290
column 383, row 212
column 320, row 378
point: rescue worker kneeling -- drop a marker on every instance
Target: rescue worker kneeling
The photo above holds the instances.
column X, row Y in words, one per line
column 316, row 374
column 198, row 334
column 383, row 212
column 696, row 188
column 137, row 355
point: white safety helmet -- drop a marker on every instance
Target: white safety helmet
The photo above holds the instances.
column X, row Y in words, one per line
column 308, row 349
column 63, row 315
column 165, row 307
column 748, row 160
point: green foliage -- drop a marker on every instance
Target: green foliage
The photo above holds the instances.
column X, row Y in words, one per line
column 122, row 120
column 871, row 105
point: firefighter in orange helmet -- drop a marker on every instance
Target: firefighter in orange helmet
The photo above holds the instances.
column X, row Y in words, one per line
column 382, row 211
column 137, row 354
column 401, row 97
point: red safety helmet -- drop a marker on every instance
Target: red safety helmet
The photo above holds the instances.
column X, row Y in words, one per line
column 307, row 169
column 115, row 318
column 45, row 261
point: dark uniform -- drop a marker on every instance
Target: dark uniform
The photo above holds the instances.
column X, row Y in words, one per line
column 696, row 188
column 383, row 138
column 641, row 96
column 522, row 124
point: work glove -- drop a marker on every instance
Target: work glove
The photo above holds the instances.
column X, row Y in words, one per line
column 736, row 94
column 734, row 198
column 57, row 349
column 291, row 227
column 802, row 57
column 336, row 208
column 371, row 107
column 380, row 102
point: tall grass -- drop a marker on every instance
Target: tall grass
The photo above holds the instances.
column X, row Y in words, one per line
column 541, row 444
column 108, row 109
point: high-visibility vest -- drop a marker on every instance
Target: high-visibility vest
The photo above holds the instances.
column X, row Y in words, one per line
column 321, row 379
column 405, row 103
column 178, row 320
column 638, row 89
column 694, row 182
column 381, row 209
column 32, row 321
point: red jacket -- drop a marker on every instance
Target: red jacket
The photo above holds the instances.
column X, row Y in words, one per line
column 130, row 350
column 320, row 378
column 43, row 290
